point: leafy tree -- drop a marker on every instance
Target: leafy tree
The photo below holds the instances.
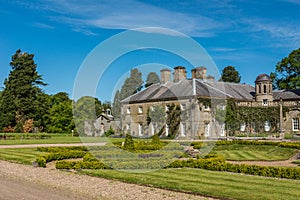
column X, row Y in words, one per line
column 152, row 78
column 60, row 114
column 230, row 74
column 21, row 94
column 86, row 109
column 287, row 72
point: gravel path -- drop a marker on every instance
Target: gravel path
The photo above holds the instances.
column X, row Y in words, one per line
column 26, row 182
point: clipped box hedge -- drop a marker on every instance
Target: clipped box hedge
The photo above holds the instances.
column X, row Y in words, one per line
column 43, row 159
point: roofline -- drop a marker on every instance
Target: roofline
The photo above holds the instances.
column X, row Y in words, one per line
column 173, row 98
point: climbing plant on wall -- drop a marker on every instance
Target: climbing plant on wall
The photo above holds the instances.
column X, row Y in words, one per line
column 174, row 117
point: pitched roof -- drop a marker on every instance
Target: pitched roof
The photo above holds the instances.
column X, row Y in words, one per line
column 190, row 88
column 287, row 94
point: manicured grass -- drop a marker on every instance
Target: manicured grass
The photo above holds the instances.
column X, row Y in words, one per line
column 238, row 152
column 23, row 156
column 59, row 139
column 203, row 182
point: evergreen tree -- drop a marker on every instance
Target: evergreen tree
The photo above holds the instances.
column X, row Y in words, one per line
column 152, row 78
column 230, row 74
column 116, row 109
column 287, row 72
column 132, row 85
column 21, row 95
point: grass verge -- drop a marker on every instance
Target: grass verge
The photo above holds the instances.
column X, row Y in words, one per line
column 209, row 183
column 239, row 152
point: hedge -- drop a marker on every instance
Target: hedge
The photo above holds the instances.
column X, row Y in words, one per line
column 60, row 149
column 23, row 136
column 80, row 165
column 295, row 145
column 41, row 160
column 219, row 164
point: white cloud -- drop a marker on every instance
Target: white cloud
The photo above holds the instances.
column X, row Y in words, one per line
column 44, row 26
column 128, row 14
column 288, row 33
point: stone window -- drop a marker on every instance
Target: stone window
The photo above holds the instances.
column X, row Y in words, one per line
column 265, row 89
column 243, row 127
column 259, row 88
column 140, row 109
column 296, row 124
column 128, row 127
column 183, row 129
column 183, row 106
column 267, row 126
column 206, row 107
column 207, row 129
column 167, row 108
column 128, row 110
column 265, row 102
column 140, row 129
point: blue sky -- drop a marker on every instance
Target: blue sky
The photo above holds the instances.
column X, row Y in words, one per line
column 250, row 35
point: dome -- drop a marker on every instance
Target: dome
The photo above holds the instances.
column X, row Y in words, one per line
column 263, row 77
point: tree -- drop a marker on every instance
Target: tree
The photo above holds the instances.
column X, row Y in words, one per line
column 86, row 109
column 21, row 94
column 287, row 72
column 230, row 74
column 152, row 78
column 174, row 117
column 132, row 85
column 116, row 109
column 60, row 114
column 157, row 116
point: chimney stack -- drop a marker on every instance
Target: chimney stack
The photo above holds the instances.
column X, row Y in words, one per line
column 165, row 75
column 199, row 73
column 210, row 78
column 179, row 73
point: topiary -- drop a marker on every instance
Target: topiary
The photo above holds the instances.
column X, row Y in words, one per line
column 128, row 144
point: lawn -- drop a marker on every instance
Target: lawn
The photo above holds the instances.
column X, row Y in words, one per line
column 238, row 152
column 59, row 139
column 198, row 181
column 23, row 156
column 209, row 183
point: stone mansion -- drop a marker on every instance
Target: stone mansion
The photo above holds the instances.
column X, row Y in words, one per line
column 200, row 120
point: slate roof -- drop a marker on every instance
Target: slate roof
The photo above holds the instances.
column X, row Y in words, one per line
column 287, row 94
column 184, row 89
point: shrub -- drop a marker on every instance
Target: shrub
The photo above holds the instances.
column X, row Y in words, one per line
column 41, row 160
column 155, row 139
column 128, row 145
column 109, row 132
